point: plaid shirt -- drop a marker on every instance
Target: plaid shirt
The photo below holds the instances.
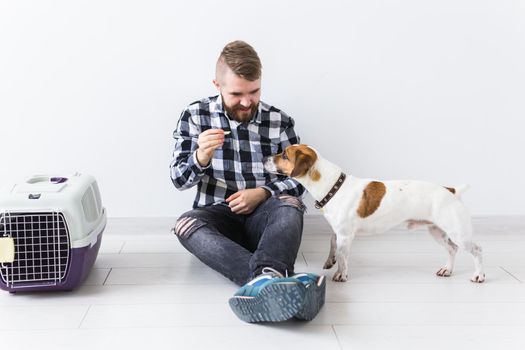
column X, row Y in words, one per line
column 238, row 164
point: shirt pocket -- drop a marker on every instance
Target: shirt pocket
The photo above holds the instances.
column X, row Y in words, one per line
column 266, row 148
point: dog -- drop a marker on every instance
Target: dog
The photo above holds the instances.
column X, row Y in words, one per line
column 364, row 206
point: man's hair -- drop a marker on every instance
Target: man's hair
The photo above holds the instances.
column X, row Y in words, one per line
column 242, row 59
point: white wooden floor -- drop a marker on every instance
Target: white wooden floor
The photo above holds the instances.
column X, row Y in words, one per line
column 147, row 292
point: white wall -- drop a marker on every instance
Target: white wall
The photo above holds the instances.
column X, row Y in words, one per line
column 430, row 90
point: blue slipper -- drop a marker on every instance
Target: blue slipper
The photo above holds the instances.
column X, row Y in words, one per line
column 315, row 295
column 269, row 297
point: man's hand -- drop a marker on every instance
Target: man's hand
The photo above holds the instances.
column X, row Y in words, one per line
column 245, row 201
column 208, row 142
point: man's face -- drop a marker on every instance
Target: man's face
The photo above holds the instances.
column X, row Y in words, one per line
column 240, row 97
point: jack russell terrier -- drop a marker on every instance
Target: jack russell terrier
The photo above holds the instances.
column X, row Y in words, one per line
column 353, row 205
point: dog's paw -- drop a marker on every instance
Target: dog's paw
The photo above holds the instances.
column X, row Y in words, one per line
column 478, row 278
column 329, row 263
column 340, row 277
column 444, row 272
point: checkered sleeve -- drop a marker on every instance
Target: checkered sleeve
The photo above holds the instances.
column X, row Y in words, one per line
column 286, row 185
column 185, row 169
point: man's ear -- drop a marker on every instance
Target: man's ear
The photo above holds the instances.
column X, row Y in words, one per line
column 216, row 84
column 302, row 163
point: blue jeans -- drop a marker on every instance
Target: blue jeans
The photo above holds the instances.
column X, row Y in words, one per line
column 239, row 246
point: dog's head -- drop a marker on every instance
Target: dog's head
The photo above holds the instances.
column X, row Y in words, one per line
column 296, row 161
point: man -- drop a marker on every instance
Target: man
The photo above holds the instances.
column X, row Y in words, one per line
column 246, row 223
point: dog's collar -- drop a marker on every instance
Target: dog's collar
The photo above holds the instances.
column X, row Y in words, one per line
column 331, row 193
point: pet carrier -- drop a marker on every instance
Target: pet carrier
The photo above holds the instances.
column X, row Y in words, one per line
column 50, row 232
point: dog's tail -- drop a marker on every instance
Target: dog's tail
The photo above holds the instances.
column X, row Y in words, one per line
column 458, row 190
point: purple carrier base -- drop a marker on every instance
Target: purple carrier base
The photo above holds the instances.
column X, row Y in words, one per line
column 82, row 260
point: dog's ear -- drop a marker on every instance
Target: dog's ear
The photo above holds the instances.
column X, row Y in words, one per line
column 302, row 164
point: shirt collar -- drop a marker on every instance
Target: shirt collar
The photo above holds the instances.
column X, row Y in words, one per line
column 218, row 105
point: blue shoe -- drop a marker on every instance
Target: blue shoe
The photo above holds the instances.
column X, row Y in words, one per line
column 269, row 297
column 315, row 294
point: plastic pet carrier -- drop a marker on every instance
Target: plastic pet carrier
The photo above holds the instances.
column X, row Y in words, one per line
column 50, row 232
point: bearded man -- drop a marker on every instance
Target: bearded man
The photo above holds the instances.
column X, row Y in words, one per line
column 245, row 223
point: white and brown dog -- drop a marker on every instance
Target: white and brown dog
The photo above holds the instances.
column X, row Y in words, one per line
column 353, row 205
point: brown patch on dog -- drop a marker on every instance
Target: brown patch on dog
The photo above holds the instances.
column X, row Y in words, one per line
column 371, row 199
column 296, row 160
column 302, row 164
column 315, row 175
column 451, row 189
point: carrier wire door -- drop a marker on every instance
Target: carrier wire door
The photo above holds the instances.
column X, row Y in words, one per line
column 42, row 249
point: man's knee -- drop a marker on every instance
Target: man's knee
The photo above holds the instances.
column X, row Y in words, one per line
column 187, row 224
column 286, row 200
column 288, row 211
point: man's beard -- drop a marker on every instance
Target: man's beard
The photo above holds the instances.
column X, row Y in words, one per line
column 236, row 112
